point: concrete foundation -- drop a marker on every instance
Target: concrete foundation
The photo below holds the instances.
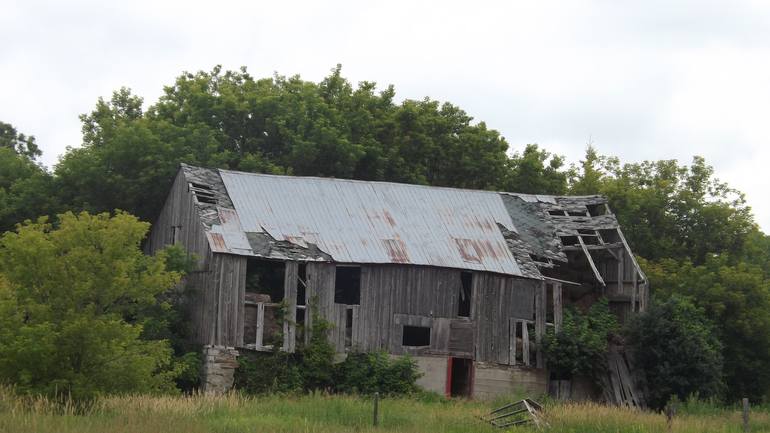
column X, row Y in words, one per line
column 219, row 364
column 434, row 372
column 493, row 380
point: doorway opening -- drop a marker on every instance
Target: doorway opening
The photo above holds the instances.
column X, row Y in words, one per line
column 460, row 377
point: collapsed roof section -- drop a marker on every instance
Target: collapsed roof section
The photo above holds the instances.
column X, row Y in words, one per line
column 348, row 221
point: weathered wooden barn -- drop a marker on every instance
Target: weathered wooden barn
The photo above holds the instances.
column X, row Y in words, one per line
column 465, row 281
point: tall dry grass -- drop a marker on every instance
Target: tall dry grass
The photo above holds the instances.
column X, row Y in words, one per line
column 324, row 413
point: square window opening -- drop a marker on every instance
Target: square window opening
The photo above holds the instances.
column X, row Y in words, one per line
column 596, row 209
column 347, row 285
column 264, row 281
column 416, row 336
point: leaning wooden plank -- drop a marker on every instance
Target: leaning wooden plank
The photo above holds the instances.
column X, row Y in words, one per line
column 591, row 261
column 631, row 254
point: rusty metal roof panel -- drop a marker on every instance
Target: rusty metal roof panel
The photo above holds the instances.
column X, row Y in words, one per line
column 376, row 222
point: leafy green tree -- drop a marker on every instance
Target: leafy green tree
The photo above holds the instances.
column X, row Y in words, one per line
column 675, row 345
column 667, row 210
column 536, row 171
column 73, row 303
column 229, row 119
column 26, row 189
column 21, row 144
column 737, row 298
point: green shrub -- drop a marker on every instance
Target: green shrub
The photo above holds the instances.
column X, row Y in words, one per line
column 366, row 373
column 268, row 373
column 311, row 368
column 581, row 344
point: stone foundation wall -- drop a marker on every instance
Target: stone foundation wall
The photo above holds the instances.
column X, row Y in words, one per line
column 219, row 364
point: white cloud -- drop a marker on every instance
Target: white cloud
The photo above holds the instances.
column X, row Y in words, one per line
column 644, row 80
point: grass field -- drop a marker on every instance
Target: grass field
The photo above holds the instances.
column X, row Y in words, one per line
column 320, row 413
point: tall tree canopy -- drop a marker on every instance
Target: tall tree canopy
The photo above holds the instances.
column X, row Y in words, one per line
column 26, row 188
column 669, row 210
column 285, row 125
column 699, row 240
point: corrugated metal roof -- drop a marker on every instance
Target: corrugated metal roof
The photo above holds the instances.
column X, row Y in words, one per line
column 373, row 222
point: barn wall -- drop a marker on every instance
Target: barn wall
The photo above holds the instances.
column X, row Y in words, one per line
column 393, row 296
column 496, row 300
column 214, row 290
column 179, row 223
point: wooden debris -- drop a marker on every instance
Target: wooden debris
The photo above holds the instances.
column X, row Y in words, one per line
column 525, row 411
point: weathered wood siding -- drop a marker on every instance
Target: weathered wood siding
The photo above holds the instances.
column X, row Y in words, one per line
column 393, row 296
column 179, row 223
column 496, row 299
column 215, row 289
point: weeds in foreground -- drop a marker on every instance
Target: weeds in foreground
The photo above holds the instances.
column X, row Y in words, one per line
column 334, row 413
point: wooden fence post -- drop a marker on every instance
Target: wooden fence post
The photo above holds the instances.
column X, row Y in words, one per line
column 745, row 414
column 376, row 408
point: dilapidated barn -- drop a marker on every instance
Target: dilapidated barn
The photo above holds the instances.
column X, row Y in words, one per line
column 465, row 281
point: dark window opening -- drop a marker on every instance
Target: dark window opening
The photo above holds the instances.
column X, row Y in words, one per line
column 200, row 186
column 347, row 285
column 596, row 209
column 577, row 214
column 590, row 239
column 265, row 279
column 301, row 284
column 569, row 240
column 610, row 235
column 460, row 384
column 549, row 303
column 532, row 349
column 541, row 259
column 203, row 193
column 205, row 198
column 556, row 212
column 464, row 303
column 519, row 336
column 348, row 327
column 175, row 231
column 416, row 336
column 300, row 328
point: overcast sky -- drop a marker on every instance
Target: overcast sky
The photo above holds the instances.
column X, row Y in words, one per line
column 641, row 80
